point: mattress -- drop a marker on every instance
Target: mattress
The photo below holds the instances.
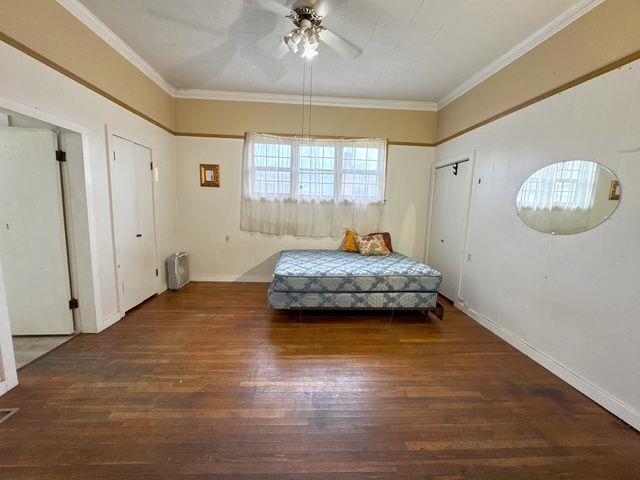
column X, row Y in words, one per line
column 317, row 271
column 355, row 300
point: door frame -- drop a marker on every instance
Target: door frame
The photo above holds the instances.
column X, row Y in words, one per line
column 112, row 131
column 80, row 225
column 469, row 156
column 8, row 371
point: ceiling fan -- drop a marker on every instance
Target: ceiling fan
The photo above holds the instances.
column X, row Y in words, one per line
column 307, row 16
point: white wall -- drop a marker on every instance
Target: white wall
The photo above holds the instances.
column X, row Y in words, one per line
column 570, row 302
column 28, row 82
column 208, row 215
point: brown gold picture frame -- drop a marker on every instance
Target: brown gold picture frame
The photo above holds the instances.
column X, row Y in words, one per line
column 614, row 190
column 209, row 175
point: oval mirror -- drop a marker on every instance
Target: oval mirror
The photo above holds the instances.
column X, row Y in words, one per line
column 568, row 197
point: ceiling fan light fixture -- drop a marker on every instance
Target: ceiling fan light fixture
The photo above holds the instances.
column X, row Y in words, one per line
column 292, row 40
column 311, row 39
column 310, row 42
column 309, row 53
column 309, row 30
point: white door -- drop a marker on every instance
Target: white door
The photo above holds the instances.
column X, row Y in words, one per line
column 448, row 224
column 32, row 235
column 134, row 224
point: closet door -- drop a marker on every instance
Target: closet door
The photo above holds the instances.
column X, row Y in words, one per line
column 134, row 225
column 33, row 245
column 448, row 224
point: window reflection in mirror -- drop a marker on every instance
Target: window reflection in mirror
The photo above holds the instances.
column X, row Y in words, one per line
column 568, row 197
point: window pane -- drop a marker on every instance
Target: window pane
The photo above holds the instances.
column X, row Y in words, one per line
column 316, row 177
column 272, row 174
column 362, row 172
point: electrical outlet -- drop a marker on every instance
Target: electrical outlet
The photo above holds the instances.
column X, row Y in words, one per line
column 227, row 238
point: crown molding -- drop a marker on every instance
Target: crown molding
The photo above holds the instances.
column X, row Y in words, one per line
column 546, row 32
column 96, row 25
column 82, row 13
column 297, row 100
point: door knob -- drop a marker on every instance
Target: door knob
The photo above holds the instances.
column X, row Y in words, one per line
column 139, row 235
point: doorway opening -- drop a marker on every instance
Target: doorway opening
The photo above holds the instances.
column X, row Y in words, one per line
column 36, row 243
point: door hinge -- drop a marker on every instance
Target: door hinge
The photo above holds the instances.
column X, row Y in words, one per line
column 61, row 156
column 73, row 304
column 151, row 166
column 156, row 272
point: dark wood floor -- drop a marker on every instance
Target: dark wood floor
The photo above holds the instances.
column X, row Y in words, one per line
column 206, row 383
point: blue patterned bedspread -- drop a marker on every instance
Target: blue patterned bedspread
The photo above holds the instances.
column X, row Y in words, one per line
column 337, row 271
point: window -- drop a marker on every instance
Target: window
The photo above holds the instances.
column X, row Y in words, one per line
column 296, row 185
column 318, row 169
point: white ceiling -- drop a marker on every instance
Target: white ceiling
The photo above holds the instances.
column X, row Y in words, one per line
column 413, row 49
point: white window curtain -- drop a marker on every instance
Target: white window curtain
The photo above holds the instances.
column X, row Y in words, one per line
column 312, row 187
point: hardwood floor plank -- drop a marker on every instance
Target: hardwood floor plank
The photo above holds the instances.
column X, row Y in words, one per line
column 206, row 383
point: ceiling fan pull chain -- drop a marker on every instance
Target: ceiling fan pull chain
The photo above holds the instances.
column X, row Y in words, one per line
column 310, row 95
column 304, row 68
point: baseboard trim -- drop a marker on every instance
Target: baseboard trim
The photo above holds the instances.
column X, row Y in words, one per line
column 110, row 320
column 604, row 399
column 231, row 278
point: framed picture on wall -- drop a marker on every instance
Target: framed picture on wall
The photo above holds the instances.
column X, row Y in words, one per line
column 209, row 175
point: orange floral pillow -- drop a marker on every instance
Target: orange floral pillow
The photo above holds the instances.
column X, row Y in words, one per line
column 372, row 244
column 350, row 244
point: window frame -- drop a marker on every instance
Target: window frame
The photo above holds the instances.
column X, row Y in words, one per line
column 295, row 170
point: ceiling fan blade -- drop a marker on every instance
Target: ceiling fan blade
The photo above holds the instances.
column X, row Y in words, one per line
column 273, row 6
column 175, row 20
column 323, row 7
column 341, row 45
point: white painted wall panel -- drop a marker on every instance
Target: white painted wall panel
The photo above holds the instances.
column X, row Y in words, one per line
column 572, row 302
column 208, row 215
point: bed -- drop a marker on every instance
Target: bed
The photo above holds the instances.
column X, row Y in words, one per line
column 333, row 279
